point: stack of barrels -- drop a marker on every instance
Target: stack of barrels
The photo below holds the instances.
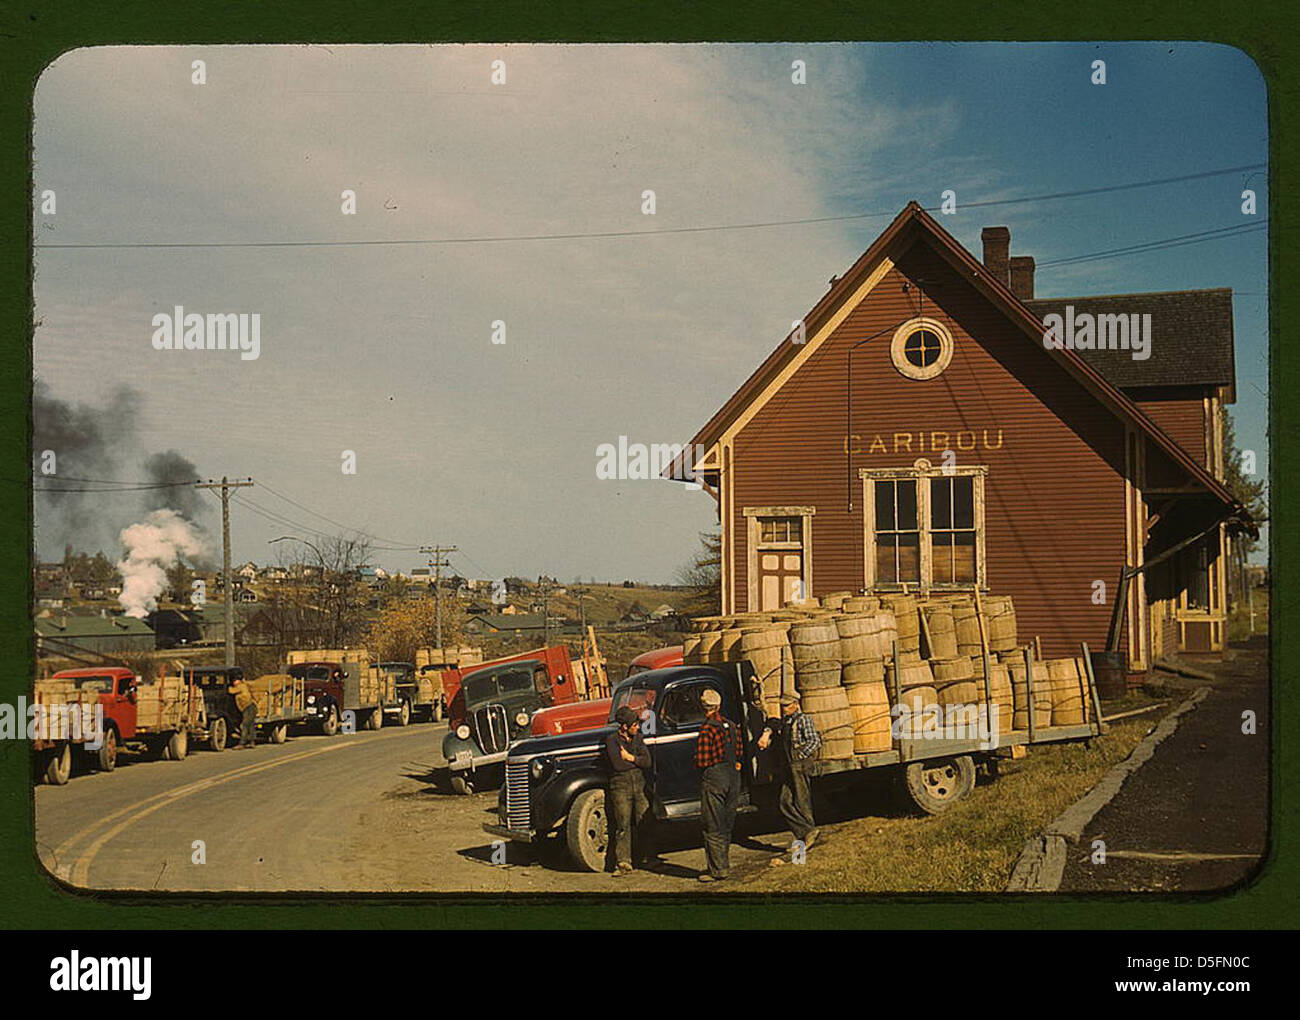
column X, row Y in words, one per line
column 838, row 652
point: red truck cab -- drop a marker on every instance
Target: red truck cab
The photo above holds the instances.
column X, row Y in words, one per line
column 590, row 715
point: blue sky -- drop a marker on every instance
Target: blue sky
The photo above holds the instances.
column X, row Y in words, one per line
column 386, row 350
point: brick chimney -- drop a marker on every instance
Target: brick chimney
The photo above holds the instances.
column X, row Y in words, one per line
column 997, row 252
column 1022, row 277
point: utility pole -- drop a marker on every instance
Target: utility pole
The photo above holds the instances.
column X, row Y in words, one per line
column 437, row 560
column 544, row 583
column 225, row 485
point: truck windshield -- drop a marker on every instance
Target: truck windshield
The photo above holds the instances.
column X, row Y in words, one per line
column 633, row 697
column 509, row 681
column 95, row 683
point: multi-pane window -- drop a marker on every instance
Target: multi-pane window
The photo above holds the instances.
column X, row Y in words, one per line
column 898, row 538
column 780, row 530
column 952, row 530
column 922, row 348
column 925, row 527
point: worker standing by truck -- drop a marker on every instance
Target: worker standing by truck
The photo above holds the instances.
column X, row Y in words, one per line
column 799, row 742
column 628, row 758
column 718, row 755
column 243, row 695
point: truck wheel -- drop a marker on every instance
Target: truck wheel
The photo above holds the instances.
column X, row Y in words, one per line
column 217, row 735
column 404, row 714
column 587, row 831
column 376, row 720
column 58, row 765
column 462, row 784
column 106, row 758
column 935, row 786
column 279, row 733
column 178, row 745
column 331, row 724
column 436, row 713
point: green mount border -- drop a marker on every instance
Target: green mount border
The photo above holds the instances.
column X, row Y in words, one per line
column 31, row 36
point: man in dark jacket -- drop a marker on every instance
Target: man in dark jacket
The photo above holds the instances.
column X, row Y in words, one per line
column 799, row 742
column 718, row 755
column 628, row 758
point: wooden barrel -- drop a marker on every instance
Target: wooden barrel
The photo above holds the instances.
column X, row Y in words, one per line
column 704, row 623
column 690, row 648
column 704, row 651
column 836, row 599
column 862, row 604
column 1002, row 622
column 1020, row 697
column 966, row 623
column 859, row 637
column 888, row 625
column 767, row 647
column 833, row 718
column 728, row 647
column 954, row 680
column 869, row 705
column 909, row 674
column 815, row 649
column 918, row 706
column 909, row 626
column 802, row 604
column 1066, row 682
column 1003, row 699
column 940, row 631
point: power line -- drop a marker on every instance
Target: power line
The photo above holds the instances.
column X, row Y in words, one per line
column 1169, row 242
column 389, row 542
column 381, row 242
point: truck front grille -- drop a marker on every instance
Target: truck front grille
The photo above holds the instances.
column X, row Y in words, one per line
column 491, row 728
column 518, row 815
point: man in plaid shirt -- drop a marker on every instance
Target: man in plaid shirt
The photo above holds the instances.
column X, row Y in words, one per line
column 718, row 754
column 800, row 743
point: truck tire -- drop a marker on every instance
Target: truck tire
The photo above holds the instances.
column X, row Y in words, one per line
column 436, row 712
column 376, row 720
column 935, row 786
column 404, row 714
column 217, row 735
column 178, row 745
column 462, row 785
column 279, row 733
column 331, row 724
column 106, row 756
column 586, row 832
column 58, row 764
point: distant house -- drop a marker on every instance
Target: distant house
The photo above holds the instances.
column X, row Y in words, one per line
column 508, row 624
column 248, row 571
column 62, row 633
column 662, row 612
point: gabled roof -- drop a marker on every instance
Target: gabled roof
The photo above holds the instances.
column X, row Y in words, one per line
column 914, row 224
column 92, row 626
column 1191, row 336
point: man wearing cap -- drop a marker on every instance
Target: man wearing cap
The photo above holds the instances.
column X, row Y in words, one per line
column 799, row 742
column 718, row 755
column 628, row 758
column 243, row 695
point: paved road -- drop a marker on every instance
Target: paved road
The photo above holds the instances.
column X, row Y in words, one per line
column 1194, row 817
column 272, row 818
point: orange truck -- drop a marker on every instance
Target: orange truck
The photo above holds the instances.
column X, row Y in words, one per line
column 590, row 715
column 98, row 711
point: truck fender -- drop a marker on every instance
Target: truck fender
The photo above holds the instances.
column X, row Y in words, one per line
column 560, row 795
column 452, row 743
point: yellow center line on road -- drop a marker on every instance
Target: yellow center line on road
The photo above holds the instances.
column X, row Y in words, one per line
column 77, row 872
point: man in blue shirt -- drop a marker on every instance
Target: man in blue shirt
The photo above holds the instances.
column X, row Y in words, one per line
column 799, row 742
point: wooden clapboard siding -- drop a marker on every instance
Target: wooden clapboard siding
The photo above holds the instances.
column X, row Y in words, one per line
column 1180, row 413
column 1054, row 493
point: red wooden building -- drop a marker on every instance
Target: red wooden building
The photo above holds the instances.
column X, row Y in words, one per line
column 918, row 433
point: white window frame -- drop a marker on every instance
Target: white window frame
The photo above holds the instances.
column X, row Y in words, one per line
column 754, row 528
column 905, row 367
column 922, row 471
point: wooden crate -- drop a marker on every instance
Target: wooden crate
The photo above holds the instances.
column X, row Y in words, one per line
column 276, row 695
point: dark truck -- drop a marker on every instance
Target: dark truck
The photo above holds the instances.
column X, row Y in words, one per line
column 222, row 719
column 555, row 785
column 492, row 706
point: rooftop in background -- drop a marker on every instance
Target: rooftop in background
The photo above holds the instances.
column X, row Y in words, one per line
column 1191, row 336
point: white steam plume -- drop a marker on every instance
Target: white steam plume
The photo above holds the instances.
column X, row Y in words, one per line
column 153, row 545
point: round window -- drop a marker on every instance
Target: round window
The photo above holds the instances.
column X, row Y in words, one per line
column 922, row 348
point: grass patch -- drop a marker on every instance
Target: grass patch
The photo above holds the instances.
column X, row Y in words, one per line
column 970, row 848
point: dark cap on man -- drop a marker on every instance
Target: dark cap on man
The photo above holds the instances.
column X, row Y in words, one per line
column 626, row 716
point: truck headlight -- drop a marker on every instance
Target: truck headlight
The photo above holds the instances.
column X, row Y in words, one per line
column 521, row 719
column 311, row 699
column 462, row 731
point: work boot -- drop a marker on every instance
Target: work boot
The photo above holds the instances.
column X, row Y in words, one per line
column 811, row 837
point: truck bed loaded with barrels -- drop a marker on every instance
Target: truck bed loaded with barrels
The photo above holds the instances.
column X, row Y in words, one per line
column 933, row 687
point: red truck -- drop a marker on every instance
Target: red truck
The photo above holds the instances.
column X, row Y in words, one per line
column 590, row 715
column 115, row 708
